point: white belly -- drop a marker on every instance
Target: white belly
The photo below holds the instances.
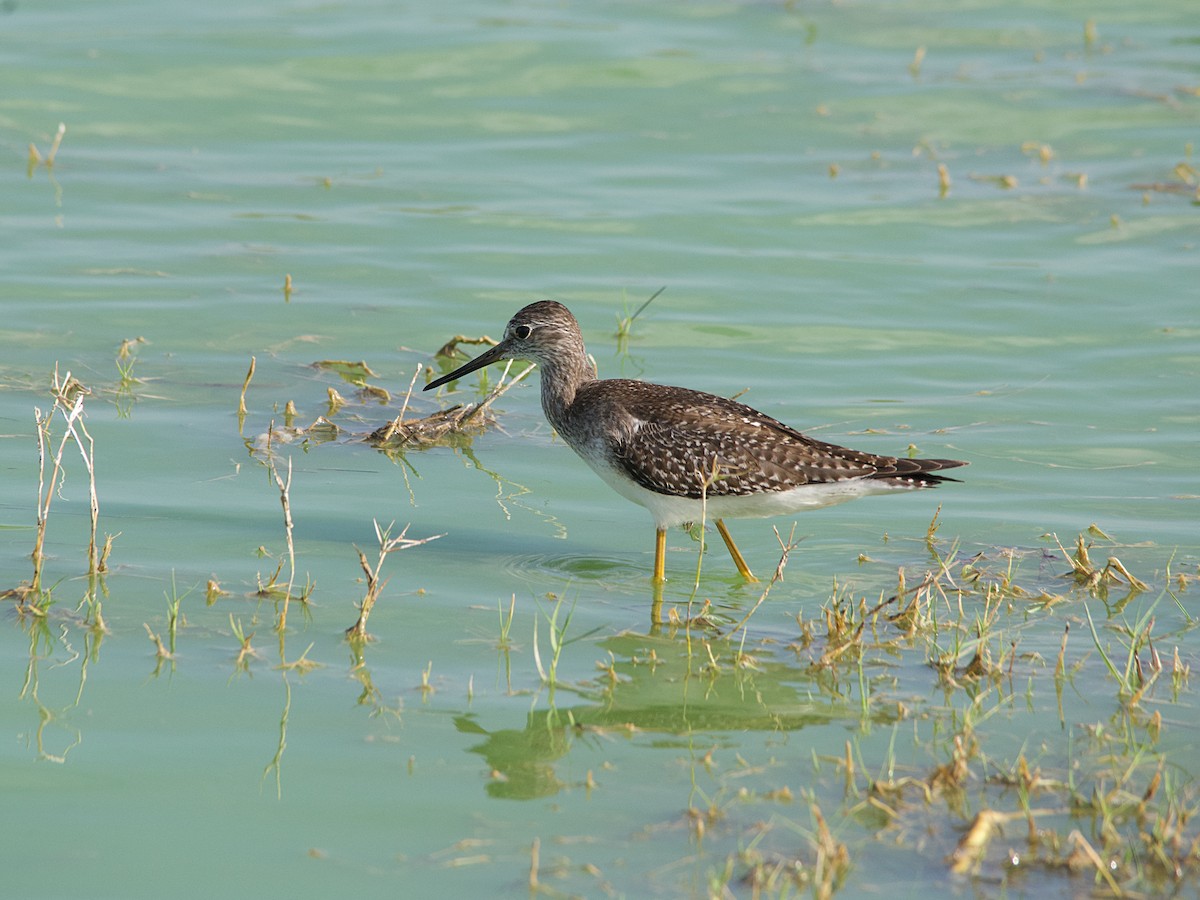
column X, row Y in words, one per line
column 669, row 510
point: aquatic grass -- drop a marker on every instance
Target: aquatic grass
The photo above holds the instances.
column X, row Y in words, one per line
column 557, row 637
column 699, row 531
column 35, row 157
column 558, row 641
column 124, row 396
column 246, row 652
column 356, row 373
column 944, row 180
column 161, row 652
column 625, row 323
column 285, row 487
column 387, row 545
column 504, row 640
column 1085, row 572
column 174, row 600
column 426, row 687
column 335, row 401
column 68, row 395
column 241, row 410
column 302, row 663
column 914, row 67
column 282, row 592
column 213, row 592
column 1132, row 679
column 785, row 550
column 957, row 796
column 954, row 628
column 269, row 588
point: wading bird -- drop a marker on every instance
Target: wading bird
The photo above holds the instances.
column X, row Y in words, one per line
column 686, row 455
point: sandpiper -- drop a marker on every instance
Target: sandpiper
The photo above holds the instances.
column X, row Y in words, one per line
column 686, row 455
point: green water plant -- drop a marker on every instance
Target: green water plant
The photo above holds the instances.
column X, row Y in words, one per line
column 174, row 599
column 246, row 651
column 557, row 637
column 549, row 673
column 504, row 640
column 625, row 323
column 241, row 410
column 126, row 380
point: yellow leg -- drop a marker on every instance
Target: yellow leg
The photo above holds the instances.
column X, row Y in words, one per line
column 738, row 560
column 660, row 554
column 656, row 603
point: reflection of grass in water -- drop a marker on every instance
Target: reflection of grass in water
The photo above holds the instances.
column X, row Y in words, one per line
column 945, row 777
column 1106, row 803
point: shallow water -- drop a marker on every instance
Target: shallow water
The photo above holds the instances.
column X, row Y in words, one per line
column 424, row 172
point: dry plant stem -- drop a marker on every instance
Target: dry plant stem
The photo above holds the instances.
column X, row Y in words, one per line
column 284, row 489
column 374, row 586
column 408, row 393
column 72, row 411
column 105, row 551
column 397, row 422
column 476, row 408
column 43, row 504
column 46, row 492
column 58, row 136
column 707, row 480
column 456, row 418
column 971, row 846
column 1118, row 566
column 89, row 455
column 1081, row 844
column 387, row 544
column 160, row 651
column 1060, row 667
column 785, row 551
column 36, row 158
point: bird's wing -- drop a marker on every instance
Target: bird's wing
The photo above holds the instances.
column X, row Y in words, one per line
column 694, row 444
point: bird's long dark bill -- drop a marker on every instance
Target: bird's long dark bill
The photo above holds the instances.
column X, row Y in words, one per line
column 497, row 353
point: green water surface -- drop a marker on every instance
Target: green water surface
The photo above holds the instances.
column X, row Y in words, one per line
column 423, row 170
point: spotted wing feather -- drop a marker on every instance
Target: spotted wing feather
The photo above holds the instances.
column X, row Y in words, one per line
column 687, row 443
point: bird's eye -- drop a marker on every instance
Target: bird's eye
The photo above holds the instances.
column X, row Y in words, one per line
column 522, row 332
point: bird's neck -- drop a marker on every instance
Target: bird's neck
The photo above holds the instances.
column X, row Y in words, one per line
column 561, row 379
